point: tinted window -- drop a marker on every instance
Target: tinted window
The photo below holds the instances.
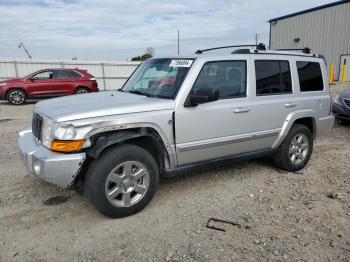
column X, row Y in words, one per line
column 229, row 77
column 272, row 77
column 66, row 74
column 310, row 76
column 43, row 75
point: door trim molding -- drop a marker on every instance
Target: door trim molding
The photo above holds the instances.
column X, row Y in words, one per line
column 184, row 147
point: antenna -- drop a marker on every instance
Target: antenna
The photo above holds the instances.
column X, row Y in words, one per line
column 25, row 50
column 178, row 41
column 256, row 38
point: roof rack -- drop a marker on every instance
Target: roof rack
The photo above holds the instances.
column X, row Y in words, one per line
column 260, row 46
column 304, row 50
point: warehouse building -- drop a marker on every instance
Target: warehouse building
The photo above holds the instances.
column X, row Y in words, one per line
column 325, row 29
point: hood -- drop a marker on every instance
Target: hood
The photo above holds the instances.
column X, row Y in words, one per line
column 100, row 104
column 11, row 80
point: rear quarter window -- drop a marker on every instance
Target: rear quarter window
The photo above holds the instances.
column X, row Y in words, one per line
column 310, row 76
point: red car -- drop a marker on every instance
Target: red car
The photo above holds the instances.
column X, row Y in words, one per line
column 47, row 83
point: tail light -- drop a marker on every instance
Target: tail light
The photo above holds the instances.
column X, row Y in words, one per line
column 92, row 79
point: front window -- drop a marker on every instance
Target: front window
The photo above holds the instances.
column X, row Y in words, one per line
column 43, row 75
column 158, row 77
column 229, row 77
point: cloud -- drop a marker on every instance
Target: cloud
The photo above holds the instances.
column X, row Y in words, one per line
column 117, row 30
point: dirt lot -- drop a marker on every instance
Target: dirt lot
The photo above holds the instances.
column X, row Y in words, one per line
column 283, row 216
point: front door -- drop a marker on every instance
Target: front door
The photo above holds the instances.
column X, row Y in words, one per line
column 216, row 129
column 40, row 84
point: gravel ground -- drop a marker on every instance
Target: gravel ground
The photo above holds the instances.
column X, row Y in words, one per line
column 281, row 216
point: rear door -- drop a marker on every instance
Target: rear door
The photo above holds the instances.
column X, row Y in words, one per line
column 274, row 97
column 66, row 81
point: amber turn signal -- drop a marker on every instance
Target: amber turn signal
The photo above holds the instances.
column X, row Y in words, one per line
column 67, row 146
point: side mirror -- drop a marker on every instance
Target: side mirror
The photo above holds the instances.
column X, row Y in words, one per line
column 201, row 96
column 33, row 78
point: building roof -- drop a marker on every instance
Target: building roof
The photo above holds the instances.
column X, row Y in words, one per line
column 309, row 10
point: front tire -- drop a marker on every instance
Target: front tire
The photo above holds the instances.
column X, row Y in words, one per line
column 16, row 97
column 295, row 151
column 122, row 181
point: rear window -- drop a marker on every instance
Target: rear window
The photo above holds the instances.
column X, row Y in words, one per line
column 59, row 74
column 272, row 77
column 310, row 76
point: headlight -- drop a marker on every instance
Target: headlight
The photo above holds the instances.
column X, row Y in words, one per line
column 336, row 99
column 65, row 132
column 2, row 84
column 47, row 132
column 63, row 137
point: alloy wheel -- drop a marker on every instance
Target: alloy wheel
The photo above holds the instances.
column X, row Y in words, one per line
column 298, row 149
column 127, row 184
column 16, row 97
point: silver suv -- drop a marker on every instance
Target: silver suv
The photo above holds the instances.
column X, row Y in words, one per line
column 177, row 113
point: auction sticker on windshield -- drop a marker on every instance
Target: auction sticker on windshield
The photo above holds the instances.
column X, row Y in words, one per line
column 181, row 63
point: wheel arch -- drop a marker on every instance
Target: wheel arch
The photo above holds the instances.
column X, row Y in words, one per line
column 309, row 122
column 305, row 117
column 81, row 86
column 145, row 137
column 11, row 88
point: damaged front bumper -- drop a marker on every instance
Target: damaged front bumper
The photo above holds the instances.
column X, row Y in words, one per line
column 55, row 168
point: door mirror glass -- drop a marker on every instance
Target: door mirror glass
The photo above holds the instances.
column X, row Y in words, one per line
column 201, row 96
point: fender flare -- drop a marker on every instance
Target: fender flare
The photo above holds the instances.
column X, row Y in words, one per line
column 290, row 120
column 101, row 141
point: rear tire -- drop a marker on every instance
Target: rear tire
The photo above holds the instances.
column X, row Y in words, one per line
column 16, row 97
column 81, row 90
column 122, row 181
column 295, row 151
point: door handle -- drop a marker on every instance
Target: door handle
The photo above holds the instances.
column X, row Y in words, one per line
column 241, row 110
column 290, row 105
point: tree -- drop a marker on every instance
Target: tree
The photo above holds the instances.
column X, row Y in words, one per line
column 148, row 54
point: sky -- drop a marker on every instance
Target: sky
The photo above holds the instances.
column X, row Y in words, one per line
column 118, row 30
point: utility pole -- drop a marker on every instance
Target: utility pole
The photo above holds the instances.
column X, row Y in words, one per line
column 178, row 41
column 25, row 50
column 256, row 38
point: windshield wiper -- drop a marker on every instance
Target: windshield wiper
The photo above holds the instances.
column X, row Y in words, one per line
column 137, row 92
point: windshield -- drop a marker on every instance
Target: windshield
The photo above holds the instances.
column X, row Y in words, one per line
column 158, row 77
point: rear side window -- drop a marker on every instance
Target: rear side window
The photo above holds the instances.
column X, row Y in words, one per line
column 61, row 74
column 229, row 77
column 310, row 76
column 272, row 77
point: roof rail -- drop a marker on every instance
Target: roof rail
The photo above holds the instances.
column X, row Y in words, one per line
column 305, row 50
column 260, row 46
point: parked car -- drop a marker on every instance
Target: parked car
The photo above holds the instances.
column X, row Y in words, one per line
column 47, row 83
column 115, row 145
column 341, row 107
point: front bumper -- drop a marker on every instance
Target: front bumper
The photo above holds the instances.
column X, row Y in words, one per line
column 340, row 112
column 55, row 168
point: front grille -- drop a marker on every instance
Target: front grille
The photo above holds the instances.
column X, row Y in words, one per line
column 347, row 102
column 37, row 123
